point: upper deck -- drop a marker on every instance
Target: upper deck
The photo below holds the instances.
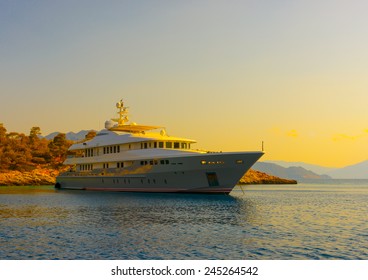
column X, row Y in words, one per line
column 129, row 141
column 118, row 132
column 107, row 138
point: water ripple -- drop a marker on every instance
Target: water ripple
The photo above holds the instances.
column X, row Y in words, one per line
column 303, row 222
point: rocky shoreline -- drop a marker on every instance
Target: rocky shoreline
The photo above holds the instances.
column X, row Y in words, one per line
column 254, row 177
column 43, row 176
column 35, row 177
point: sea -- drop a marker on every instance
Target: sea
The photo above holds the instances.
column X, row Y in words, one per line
column 318, row 220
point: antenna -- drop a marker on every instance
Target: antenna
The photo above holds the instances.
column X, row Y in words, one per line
column 262, row 146
column 123, row 113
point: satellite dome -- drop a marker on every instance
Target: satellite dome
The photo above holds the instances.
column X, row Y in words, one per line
column 109, row 124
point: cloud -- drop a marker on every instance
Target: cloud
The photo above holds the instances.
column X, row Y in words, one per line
column 277, row 131
column 342, row 137
column 292, row 133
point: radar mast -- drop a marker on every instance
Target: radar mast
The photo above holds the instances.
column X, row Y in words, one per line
column 123, row 119
column 123, row 113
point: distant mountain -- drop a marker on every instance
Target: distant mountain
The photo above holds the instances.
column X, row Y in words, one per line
column 318, row 169
column 70, row 135
column 50, row 136
column 356, row 171
column 292, row 172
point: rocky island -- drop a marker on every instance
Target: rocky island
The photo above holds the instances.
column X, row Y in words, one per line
column 254, row 177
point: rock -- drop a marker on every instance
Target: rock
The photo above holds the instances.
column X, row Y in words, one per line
column 253, row 177
column 38, row 176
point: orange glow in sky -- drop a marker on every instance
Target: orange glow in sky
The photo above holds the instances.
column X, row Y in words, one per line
column 229, row 74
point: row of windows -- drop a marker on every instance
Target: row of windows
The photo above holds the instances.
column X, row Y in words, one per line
column 127, row 181
column 148, row 145
column 111, row 149
column 88, row 153
column 167, row 145
column 118, row 165
column 84, row 167
column 203, row 162
column 122, row 164
column 155, row 162
column 144, row 145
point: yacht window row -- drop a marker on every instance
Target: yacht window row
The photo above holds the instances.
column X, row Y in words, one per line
column 204, row 162
column 85, row 167
column 106, row 165
column 155, row 162
column 135, row 180
column 90, row 152
column 166, row 144
column 146, row 145
column 120, row 164
column 111, row 149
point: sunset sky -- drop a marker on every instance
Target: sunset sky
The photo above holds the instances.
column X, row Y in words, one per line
column 229, row 74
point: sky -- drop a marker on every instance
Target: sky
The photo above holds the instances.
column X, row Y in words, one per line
column 229, row 74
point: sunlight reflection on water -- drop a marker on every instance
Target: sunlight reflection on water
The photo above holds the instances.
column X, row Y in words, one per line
column 306, row 221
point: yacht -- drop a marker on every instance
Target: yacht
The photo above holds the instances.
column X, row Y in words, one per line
column 128, row 157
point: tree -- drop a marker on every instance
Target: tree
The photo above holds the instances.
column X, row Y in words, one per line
column 58, row 148
column 34, row 134
column 22, row 152
column 3, row 142
column 39, row 147
column 16, row 154
column 2, row 132
column 90, row 135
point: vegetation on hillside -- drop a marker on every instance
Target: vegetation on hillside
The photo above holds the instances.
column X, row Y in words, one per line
column 253, row 177
column 20, row 152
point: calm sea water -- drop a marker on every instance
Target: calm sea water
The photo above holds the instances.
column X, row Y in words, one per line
column 305, row 221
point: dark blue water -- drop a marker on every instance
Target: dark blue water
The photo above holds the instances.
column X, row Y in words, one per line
column 305, row 221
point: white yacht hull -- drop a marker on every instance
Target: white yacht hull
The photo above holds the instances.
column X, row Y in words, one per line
column 199, row 173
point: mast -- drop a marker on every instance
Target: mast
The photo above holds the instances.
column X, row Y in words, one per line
column 123, row 113
column 123, row 119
